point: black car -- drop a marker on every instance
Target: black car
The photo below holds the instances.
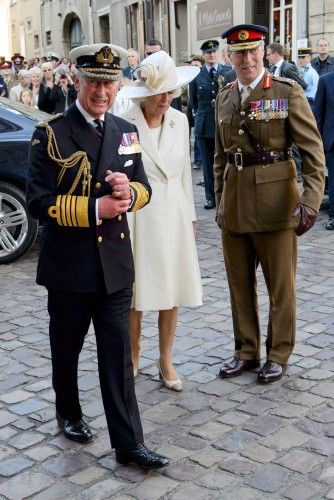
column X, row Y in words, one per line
column 17, row 229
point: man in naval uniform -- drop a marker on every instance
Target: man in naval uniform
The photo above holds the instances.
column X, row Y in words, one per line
column 259, row 207
column 85, row 173
column 202, row 95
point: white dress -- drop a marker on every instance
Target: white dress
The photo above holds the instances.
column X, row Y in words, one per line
column 167, row 272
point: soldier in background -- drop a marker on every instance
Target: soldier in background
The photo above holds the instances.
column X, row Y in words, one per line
column 202, row 95
column 259, row 207
column 308, row 74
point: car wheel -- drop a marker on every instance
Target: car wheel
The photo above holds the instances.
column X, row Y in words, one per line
column 18, row 230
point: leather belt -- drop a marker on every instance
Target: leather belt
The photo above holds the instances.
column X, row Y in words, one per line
column 241, row 160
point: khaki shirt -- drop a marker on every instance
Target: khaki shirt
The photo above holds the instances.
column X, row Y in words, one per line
column 263, row 197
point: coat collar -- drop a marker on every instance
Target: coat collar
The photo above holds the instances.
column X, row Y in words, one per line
column 136, row 116
column 256, row 94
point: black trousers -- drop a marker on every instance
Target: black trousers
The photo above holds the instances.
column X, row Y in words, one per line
column 207, row 149
column 70, row 317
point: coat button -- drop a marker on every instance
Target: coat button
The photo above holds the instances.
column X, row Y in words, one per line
column 99, row 222
column 122, row 236
column 119, row 217
column 241, row 132
column 99, row 239
column 242, row 113
column 97, row 185
column 220, row 121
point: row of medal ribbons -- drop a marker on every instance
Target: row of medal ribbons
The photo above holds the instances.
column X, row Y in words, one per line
column 269, row 109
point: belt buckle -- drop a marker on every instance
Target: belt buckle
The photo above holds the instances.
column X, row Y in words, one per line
column 238, row 160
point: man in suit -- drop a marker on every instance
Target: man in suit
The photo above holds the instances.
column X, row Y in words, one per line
column 323, row 111
column 280, row 67
column 85, row 173
column 202, row 95
column 259, row 207
column 323, row 63
column 133, row 61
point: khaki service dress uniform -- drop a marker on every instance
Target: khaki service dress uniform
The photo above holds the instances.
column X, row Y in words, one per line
column 256, row 194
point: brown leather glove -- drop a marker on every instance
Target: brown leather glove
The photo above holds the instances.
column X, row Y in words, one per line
column 307, row 218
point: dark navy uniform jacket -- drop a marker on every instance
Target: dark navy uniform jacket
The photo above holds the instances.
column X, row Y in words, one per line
column 79, row 253
column 202, row 96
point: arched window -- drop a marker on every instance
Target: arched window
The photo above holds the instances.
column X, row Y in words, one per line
column 75, row 33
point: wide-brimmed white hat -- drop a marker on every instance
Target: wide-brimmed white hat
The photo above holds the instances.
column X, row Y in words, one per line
column 157, row 74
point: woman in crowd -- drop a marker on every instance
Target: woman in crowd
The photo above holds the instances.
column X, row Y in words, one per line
column 45, row 104
column 162, row 234
column 38, row 89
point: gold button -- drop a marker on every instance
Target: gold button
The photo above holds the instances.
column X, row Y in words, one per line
column 242, row 113
column 119, row 217
column 241, row 132
column 99, row 222
column 122, row 236
column 97, row 185
column 239, row 150
column 99, row 239
column 220, row 121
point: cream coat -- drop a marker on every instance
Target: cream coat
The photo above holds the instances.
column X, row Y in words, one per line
column 166, row 263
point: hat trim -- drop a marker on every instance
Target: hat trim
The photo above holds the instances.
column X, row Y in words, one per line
column 101, row 73
column 235, row 47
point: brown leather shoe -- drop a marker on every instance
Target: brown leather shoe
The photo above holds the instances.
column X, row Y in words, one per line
column 236, row 366
column 270, row 372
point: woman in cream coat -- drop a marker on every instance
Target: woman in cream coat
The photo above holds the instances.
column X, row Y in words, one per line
column 166, row 264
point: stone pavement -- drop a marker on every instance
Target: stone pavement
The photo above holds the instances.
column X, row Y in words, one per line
column 225, row 439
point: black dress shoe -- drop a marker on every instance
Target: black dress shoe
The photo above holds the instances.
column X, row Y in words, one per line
column 76, row 431
column 236, row 366
column 209, row 204
column 270, row 372
column 141, row 456
column 330, row 224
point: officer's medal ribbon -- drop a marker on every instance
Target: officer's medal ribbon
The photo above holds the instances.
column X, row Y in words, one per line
column 129, row 144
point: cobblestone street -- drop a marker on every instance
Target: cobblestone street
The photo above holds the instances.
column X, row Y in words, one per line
column 230, row 440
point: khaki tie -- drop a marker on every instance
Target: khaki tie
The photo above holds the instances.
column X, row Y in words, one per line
column 246, row 90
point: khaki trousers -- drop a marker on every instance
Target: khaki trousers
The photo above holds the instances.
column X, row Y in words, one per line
column 276, row 252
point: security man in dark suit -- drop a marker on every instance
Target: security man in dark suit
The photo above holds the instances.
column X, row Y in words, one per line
column 259, row 206
column 85, row 173
column 202, row 95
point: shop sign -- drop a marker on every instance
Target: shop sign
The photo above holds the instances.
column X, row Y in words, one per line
column 213, row 17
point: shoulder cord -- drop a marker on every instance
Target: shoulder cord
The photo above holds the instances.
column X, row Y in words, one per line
column 245, row 127
column 71, row 161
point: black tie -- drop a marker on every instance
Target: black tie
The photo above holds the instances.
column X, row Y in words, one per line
column 99, row 127
column 212, row 73
column 273, row 69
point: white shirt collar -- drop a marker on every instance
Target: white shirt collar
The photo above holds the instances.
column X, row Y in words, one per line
column 209, row 67
column 254, row 83
column 89, row 118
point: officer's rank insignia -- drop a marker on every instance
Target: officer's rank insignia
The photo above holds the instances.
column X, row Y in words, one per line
column 269, row 109
column 129, row 144
column 35, row 142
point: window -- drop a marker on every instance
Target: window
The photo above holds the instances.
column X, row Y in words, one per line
column 48, row 37
column 36, row 42
column 29, row 25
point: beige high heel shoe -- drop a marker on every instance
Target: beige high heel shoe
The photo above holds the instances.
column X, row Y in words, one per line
column 174, row 385
column 136, row 367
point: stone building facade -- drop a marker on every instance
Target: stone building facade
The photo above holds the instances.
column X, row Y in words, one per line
column 40, row 26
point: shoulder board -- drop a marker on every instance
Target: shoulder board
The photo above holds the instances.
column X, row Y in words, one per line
column 52, row 119
column 281, row 79
column 228, row 86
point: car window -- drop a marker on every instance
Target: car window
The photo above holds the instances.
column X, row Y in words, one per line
column 6, row 126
